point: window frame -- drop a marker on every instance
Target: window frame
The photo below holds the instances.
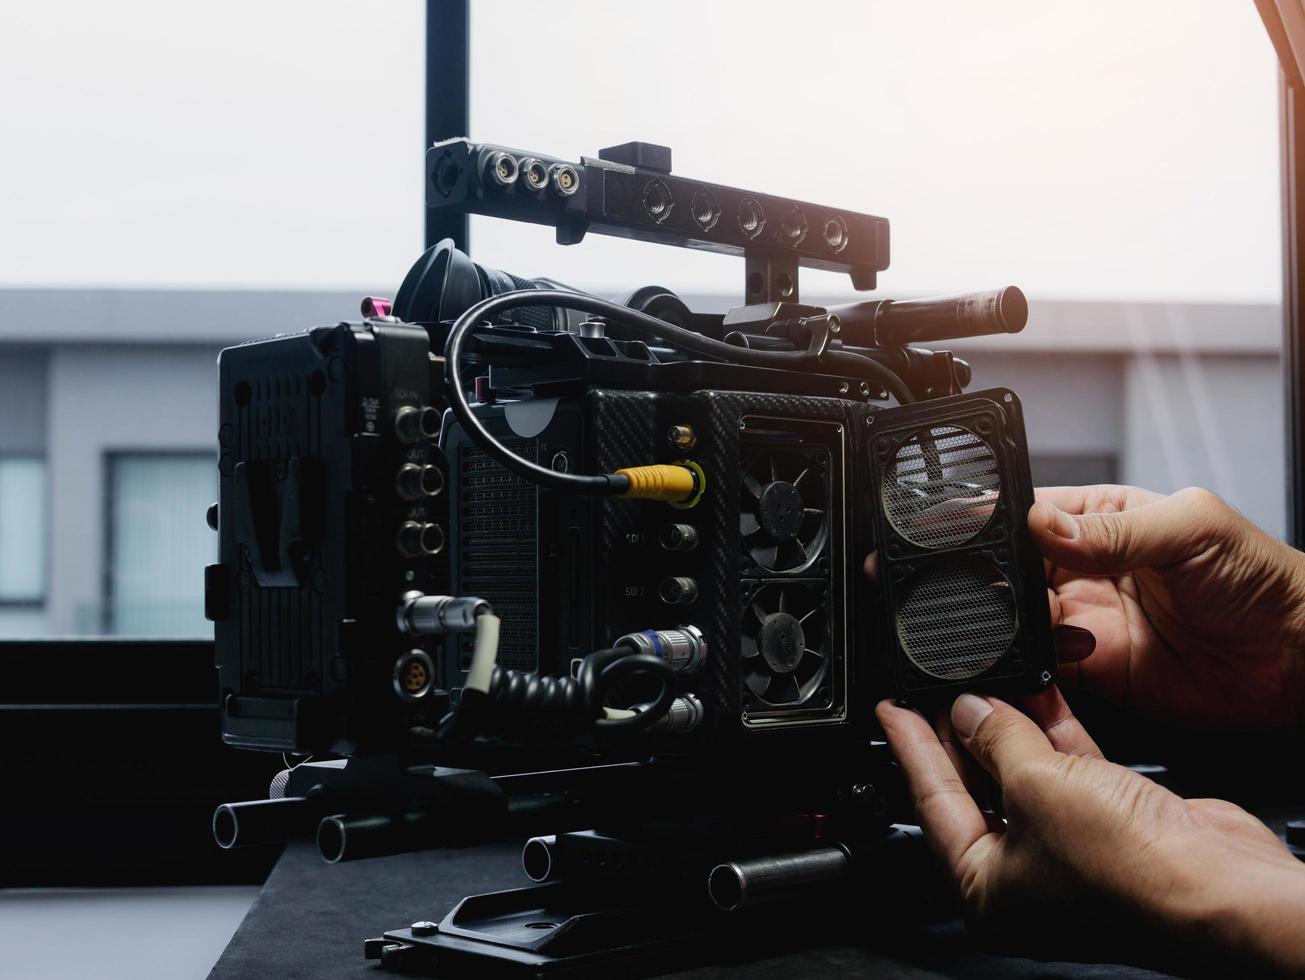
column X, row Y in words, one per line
column 108, row 459
column 46, row 543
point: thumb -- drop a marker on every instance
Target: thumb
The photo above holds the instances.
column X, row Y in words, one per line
column 1165, row 532
column 1001, row 738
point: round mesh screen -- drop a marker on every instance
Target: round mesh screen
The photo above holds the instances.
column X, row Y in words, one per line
column 957, row 621
column 941, row 487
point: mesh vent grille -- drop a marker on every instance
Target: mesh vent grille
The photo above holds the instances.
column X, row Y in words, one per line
column 941, row 487
column 957, row 621
column 497, row 548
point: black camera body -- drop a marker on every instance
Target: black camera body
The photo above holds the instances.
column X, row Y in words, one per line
column 375, row 501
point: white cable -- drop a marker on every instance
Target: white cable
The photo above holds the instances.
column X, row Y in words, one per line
column 484, row 654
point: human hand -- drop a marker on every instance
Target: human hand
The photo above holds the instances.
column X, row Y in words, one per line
column 1199, row 616
column 1092, row 854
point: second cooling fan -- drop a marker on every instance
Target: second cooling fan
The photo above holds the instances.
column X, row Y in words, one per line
column 784, row 643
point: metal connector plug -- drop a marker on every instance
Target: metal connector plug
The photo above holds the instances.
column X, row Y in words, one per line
column 684, row 648
column 422, row 615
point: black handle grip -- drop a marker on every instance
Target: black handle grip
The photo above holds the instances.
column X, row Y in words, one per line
column 899, row 323
column 949, row 317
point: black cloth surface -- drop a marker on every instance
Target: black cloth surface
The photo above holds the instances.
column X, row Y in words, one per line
column 311, row 918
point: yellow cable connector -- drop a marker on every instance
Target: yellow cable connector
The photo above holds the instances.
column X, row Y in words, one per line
column 680, row 484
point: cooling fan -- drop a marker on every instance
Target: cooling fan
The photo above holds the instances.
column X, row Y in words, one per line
column 783, row 508
column 963, row 586
column 784, row 641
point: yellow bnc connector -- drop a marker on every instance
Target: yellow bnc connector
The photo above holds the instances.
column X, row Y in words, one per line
column 680, row 484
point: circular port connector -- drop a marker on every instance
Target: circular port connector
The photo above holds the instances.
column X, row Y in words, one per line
column 564, row 179
column 679, row 537
column 679, row 591
column 414, row 675
column 705, row 209
column 752, row 217
column 534, row 175
column 502, row 169
column 446, row 174
column 657, row 200
column 420, row 540
column 682, row 436
column 413, row 424
column 836, row 233
column 415, row 481
column 794, row 228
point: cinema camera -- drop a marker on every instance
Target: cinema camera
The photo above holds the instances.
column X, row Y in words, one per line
column 528, row 561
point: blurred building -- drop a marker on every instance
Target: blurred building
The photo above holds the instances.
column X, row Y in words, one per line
column 108, row 408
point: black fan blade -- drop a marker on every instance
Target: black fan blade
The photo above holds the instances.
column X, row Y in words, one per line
column 764, row 554
column 809, row 666
column 748, row 523
column 752, row 485
column 792, row 554
column 757, row 683
column 812, row 521
column 797, row 480
column 774, row 468
column 748, row 646
column 782, row 689
column 782, row 604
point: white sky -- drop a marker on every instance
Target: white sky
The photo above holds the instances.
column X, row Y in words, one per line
column 1117, row 149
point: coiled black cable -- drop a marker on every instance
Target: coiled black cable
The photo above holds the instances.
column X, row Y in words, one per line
column 522, row 703
column 605, row 484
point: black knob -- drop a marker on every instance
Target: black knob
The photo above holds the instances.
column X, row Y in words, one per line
column 414, row 482
column 679, row 591
column 412, row 424
column 679, row 537
column 211, row 515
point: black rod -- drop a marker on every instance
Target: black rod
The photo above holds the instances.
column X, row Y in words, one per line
column 448, row 89
column 1293, row 350
column 1291, row 102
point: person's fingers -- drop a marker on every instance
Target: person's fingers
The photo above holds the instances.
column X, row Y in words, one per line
column 1100, row 498
column 1002, row 738
column 1066, row 733
column 951, row 819
column 1053, row 603
column 1073, row 643
column 1160, row 533
column 872, row 566
column 976, row 781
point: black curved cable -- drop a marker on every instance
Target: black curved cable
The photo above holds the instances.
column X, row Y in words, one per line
column 604, row 484
column 521, row 703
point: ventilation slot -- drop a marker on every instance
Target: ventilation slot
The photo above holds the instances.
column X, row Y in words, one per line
column 497, row 547
column 942, row 487
column 957, row 621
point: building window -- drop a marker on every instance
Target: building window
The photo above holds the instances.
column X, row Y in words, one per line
column 22, row 531
column 158, row 543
